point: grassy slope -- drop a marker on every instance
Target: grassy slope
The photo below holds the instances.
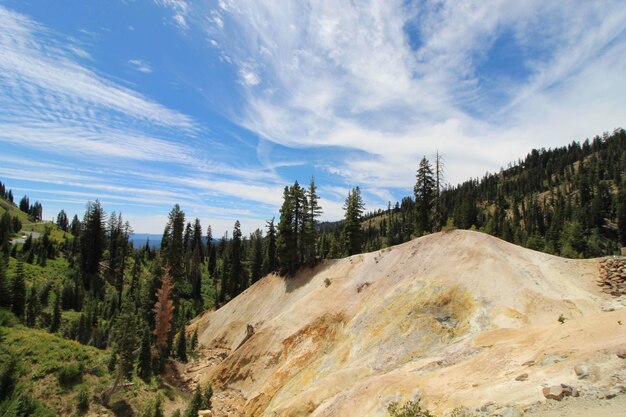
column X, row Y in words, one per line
column 42, row 355
column 55, row 270
column 40, row 227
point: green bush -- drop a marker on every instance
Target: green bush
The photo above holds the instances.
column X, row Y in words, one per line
column 408, row 409
column 7, row 318
column 70, row 374
column 82, row 399
column 327, row 282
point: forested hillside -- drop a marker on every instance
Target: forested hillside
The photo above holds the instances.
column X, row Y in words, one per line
column 569, row 201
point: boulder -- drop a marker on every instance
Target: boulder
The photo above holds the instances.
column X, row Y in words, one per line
column 553, row 393
column 558, row 392
column 522, row 377
column 621, row 353
column 582, row 371
column 205, row 413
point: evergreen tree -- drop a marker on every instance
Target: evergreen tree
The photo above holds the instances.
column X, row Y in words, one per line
column 6, row 230
column 270, row 262
column 424, row 191
column 287, row 242
column 62, row 221
column 75, row 226
column 194, row 404
column 173, row 251
column 18, row 291
column 197, row 240
column 24, row 204
column 144, row 367
column 195, row 277
column 236, row 282
column 621, row 213
column 56, row 313
column 207, row 403
column 181, row 344
column 310, row 228
column 5, row 293
column 32, row 307
column 193, row 344
column 124, row 337
column 352, row 233
column 256, row 255
column 92, row 244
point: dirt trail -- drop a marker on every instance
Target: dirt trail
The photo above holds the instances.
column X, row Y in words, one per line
column 454, row 318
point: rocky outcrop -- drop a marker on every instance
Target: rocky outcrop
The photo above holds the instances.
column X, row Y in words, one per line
column 558, row 392
column 612, row 278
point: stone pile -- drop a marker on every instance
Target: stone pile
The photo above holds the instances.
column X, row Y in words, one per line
column 612, row 277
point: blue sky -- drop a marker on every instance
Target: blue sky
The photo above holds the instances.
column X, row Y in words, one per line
column 216, row 105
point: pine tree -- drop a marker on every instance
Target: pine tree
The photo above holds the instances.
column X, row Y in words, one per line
column 424, row 191
column 18, row 291
column 5, row 293
column 197, row 240
column 270, row 262
column 287, row 242
column 32, row 307
column 56, row 313
column 207, row 398
column 236, row 282
column 352, row 233
column 194, row 404
column 181, row 344
column 310, row 228
column 621, row 213
column 173, row 250
column 193, row 344
column 62, row 221
column 144, row 366
column 124, row 337
column 256, row 255
column 92, row 244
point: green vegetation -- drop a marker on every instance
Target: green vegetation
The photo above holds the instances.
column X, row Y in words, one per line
column 568, row 201
column 408, row 409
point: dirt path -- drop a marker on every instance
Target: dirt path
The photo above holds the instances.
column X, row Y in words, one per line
column 25, row 234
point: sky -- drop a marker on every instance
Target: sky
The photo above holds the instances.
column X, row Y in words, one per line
column 217, row 105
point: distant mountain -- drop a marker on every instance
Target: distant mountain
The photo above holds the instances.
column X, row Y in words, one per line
column 139, row 240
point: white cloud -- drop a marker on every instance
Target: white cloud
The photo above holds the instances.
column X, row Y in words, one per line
column 180, row 9
column 140, row 65
column 31, row 60
column 248, row 77
column 346, row 75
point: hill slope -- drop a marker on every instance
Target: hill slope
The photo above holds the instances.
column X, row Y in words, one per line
column 454, row 317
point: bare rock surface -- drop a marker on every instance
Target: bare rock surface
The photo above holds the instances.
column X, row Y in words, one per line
column 452, row 318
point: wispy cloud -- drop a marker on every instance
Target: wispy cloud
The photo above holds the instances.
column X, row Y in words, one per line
column 139, row 65
column 180, row 9
column 397, row 80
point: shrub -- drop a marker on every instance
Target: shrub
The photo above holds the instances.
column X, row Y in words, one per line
column 82, row 399
column 8, row 378
column 7, row 318
column 327, row 282
column 562, row 319
column 408, row 409
column 70, row 374
column 462, row 412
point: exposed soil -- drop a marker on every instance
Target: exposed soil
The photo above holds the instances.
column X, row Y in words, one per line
column 458, row 319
